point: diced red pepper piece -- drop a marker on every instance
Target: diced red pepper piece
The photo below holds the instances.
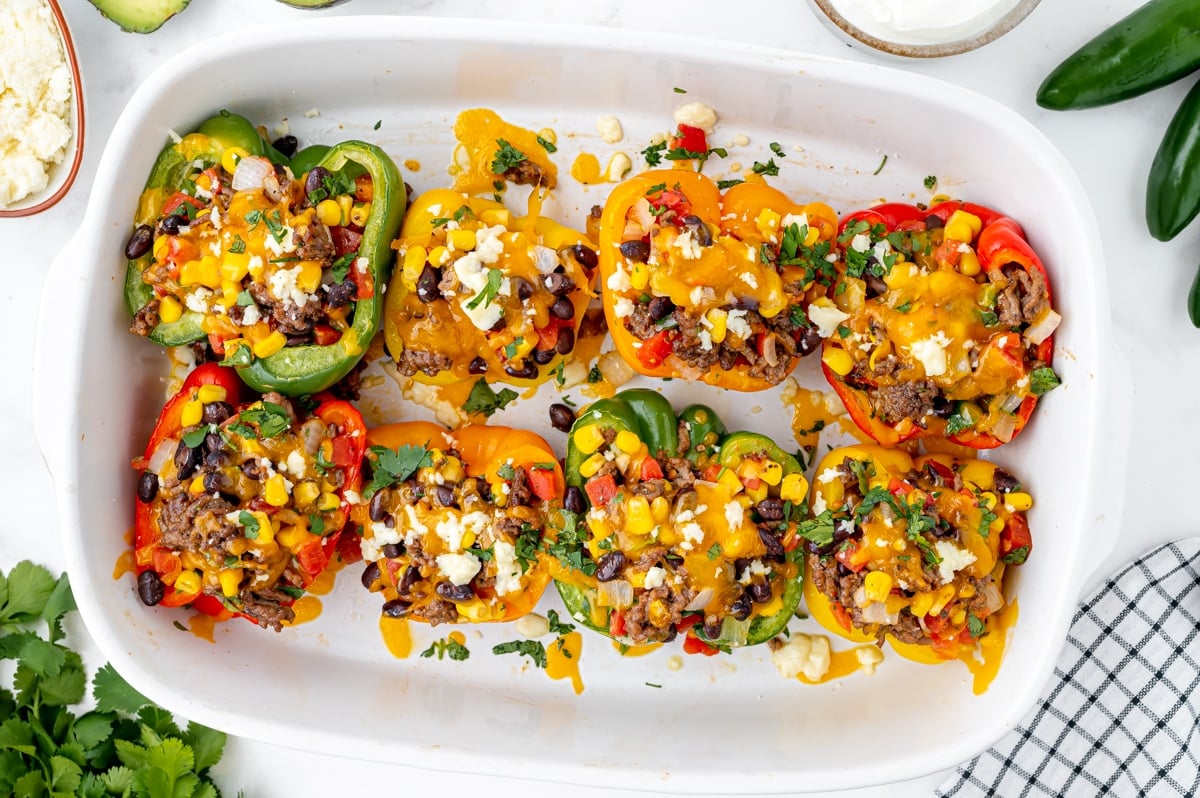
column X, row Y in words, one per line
column 656, row 349
column 689, row 138
column 651, row 469
column 601, row 490
column 543, row 483
column 694, row 645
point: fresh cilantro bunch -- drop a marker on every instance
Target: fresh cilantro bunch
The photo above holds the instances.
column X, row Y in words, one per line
column 126, row 746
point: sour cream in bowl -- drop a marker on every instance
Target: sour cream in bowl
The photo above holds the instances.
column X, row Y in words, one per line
column 923, row 28
column 41, row 107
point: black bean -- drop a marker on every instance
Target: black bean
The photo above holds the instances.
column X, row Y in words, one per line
column 287, row 145
column 712, row 630
column 216, row 459
column 636, row 250
column 543, row 356
column 171, row 224
column 376, row 509
column 412, row 575
column 340, row 294
column 774, row 547
column 300, row 339
column 574, row 500
column 526, row 372
column 392, row 550
column 561, row 417
column 565, row 342
column 216, row 481
column 397, row 608
column 610, row 566
column 673, row 560
column 810, row 341
column 186, row 460
column 427, row 284
column 933, row 222
column 370, row 575
column 672, row 633
column 524, row 288
column 741, row 608
column 760, row 592
column 1005, row 482
column 213, row 442
column 444, row 495
column 697, row 225
column 147, row 487
column 140, row 241
column 453, row 592
column 558, row 284
column 316, row 176
column 150, row 588
column 943, row 407
column 216, row 412
column 875, row 285
column 477, row 366
column 661, row 307
column 254, row 469
column 562, row 309
column 585, row 255
column 770, row 509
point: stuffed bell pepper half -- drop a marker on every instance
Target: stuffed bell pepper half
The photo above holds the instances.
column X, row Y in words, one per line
column 281, row 273
column 673, row 524
column 913, row 551
column 241, row 500
column 941, row 324
column 712, row 286
column 480, row 292
column 454, row 522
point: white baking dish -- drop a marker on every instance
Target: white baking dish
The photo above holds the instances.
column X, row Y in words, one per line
column 721, row 725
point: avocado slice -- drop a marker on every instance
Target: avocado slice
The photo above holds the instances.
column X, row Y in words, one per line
column 139, row 16
column 310, row 3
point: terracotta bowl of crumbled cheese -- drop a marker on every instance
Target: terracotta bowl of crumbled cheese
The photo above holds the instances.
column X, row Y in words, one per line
column 41, row 107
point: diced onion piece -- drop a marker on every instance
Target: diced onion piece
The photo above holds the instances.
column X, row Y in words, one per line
column 1043, row 328
column 251, row 173
column 700, row 601
column 769, row 350
column 876, row 612
column 641, row 211
column 617, row 593
column 1005, row 428
column 992, row 597
column 1011, row 402
column 614, row 369
column 163, row 454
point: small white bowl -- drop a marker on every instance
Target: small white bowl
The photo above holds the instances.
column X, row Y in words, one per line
column 62, row 174
column 828, row 13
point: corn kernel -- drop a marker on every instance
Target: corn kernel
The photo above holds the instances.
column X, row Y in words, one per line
column 968, row 263
column 205, row 272
column 414, row 263
column 963, row 226
column 275, row 492
column 345, row 205
column 921, row 604
column 192, row 412
column 767, row 223
column 292, row 537
column 943, row 283
column 988, row 499
column 958, row 617
column 169, row 310
column 234, row 267
column 439, row 256
column 270, row 345
column 658, row 614
column 452, row 470
column 330, row 501
column 627, row 441
column 638, row 520
column 196, row 487
column 328, row 213
column 967, row 591
column 305, row 493
column 187, row 583
column 588, row 439
column 839, row 361
column 771, row 473
column 160, row 247
column 309, row 278
column 757, row 494
column 266, row 531
column 793, row 488
column 467, row 539
column 639, row 276
column 589, row 467
column 231, row 157
column 979, row 473
column 359, row 213
column 730, row 480
column 718, row 319
column 940, row 599
column 878, row 585
column 496, row 216
column 231, row 579
column 463, row 240
column 211, row 393
column 812, row 235
column 996, row 527
column 1018, row 502
column 660, row 509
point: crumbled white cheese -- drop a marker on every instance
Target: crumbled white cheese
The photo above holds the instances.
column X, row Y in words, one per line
column 827, row 476
column 618, row 166
column 295, row 464
column 740, row 140
column 618, row 280
column 705, row 340
column 198, row 300
column 755, row 568
column 803, row 654
column 282, row 285
column 284, row 245
column 352, row 497
column 860, row 242
column 696, row 295
column 827, row 318
column 931, row 353
column 688, row 245
column 749, row 279
column 692, row 533
column 312, row 113
column 609, row 128
column 737, row 326
column 472, row 270
column 798, row 219
column 696, row 114
column 953, row 558
column 251, row 315
column 545, row 260
column 818, row 503
column 458, row 568
column 655, row 576
column 868, row 658
column 735, row 514
column 415, row 527
column 381, row 535
column 623, row 308
column 532, row 625
column 508, row 570
column 35, row 99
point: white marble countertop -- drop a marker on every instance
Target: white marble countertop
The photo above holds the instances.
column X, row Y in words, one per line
column 1110, row 149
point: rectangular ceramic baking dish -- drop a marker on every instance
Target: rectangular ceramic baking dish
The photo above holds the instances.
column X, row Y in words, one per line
column 721, row 725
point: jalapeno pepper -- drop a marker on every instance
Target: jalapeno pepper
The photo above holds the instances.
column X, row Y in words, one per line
column 281, row 275
column 455, row 523
column 914, row 551
column 712, row 286
column 241, row 501
column 479, row 291
column 941, row 324
column 663, row 535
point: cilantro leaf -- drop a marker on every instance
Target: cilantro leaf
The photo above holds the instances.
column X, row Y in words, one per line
column 529, row 648
column 113, row 693
column 483, row 400
column 29, row 587
column 390, row 466
column 1043, row 380
column 507, row 157
column 557, row 626
column 489, row 292
column 819, row 530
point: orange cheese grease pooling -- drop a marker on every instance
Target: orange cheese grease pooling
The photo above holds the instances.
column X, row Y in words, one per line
column 841, row 664
column 202, row 626
column 478, row 130
column 992, row 649
column 396, row 636
column 586, row 170
column 635, row 651
column 562, row 659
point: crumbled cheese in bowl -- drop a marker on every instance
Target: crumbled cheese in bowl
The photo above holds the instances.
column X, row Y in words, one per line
column 35, row 99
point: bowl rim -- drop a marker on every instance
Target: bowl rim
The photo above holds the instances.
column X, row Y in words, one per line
column 955, row 47
column 49, row 201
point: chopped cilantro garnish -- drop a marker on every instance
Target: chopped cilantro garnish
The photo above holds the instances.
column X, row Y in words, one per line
column 529, row 648
column 507, row 157
column 1043, row 380
column 491, row 290
column 483, row 400
column 548, row 146
column 770, row 168
column 389, row 466
column 447, row 647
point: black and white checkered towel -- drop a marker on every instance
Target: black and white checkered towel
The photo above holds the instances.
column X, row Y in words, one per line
column 1122, row 714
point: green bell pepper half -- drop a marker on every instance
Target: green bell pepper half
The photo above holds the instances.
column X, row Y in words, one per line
column 639, row 410
column 704, row 430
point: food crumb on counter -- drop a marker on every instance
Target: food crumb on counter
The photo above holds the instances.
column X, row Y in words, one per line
column 312, row 113
column 618, row 166
column 802, row 654
column 35, row 99
column 609, row 128
column 740, row 140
